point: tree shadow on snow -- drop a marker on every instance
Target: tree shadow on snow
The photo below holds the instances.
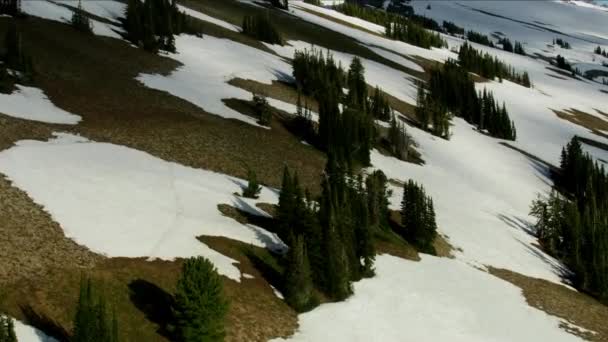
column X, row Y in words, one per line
column 518, row 223
column 155, row 303
column 44, row 324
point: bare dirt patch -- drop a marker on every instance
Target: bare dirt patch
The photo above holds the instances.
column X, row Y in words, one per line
column 591, row 122
column 558, row 300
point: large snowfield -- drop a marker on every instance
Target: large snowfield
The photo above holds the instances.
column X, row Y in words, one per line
column 123, row 202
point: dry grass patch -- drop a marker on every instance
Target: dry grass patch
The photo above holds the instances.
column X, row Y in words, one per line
column 277, row 90
column 558, row 300
column 340, row 21
column 591, row 122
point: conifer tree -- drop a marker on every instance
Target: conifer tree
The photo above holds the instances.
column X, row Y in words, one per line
column 90, row 322
column 253, row 186
column 262, row 109
column 7, row 329
column 200, row 306
column 357, row 87
column 298, row 277
column 80, row 20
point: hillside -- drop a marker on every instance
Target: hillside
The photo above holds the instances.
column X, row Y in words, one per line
column 119, row 165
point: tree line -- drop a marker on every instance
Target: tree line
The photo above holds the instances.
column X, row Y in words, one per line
column 451, row 91
column 572, row 222
column 16, row 64
column 346, row 127
column 599, row 51
column 518, row 48
column 261, row 28
column 489, row 66
column 152, row 24
column 562, row 43
column 330, row 239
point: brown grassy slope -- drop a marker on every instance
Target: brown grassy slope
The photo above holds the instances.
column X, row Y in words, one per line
column 560, row 301
column 94, row 77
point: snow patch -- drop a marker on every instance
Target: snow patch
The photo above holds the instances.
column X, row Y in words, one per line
column 32, row 104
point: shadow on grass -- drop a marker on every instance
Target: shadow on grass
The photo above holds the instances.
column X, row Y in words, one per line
column 268, row 266
column 155, row 303
column 45, row 324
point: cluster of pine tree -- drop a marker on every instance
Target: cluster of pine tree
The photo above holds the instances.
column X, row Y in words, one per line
column 410, row 32
column 509, row 47
column 262, row 109
column 399, row 142
column 346, row 133
column 10, row 7
column 452, row 28
column 261, row 28
column 282, row 4
column 317, row 74
column 151, row 24
column 432, row 112
column 598, row 50
column 80, row 20
column 451, row 89
column 379, row 107
column 418, row 217
column 16, row 65
column 331, row 243
column 562, row 63
column 572, row 223
column 479, row 38
column 7, row 329
column 91, row 322
column 562, row 43
column 200, row 306
column 373, row 15
column 489, row 67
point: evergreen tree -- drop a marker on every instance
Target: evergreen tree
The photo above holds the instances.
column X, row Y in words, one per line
column 253, row 187
column 200, row 305
column 80, row 20
column 260, row 27
column 262, row 109
column 298, row 277
column 90, row 322
column 10, row 7
column 357, row 87
column 7, row 329
column 418, row 217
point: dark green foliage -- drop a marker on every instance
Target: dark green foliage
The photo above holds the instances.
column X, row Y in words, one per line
column 253, row 186
column 432, row 112
column 336, row 236
column 489, row 67
column 379, row 107
column 519, row 49
column 399, row 142
column 282, row 4
column 261, row 28
column 410, row 32
column 357, row 87
column 151, row 24
column 479, row 38
column 452, row 28
column 16, row 58
column 302, row 124
column 598, row 50
column 562, row 63
column 573, row 225
column 317, row 74
column 80, row 20
column 91, row 322
column 451, row 89
column 262, row 109
column 200, row 305
column 10, row 7
column 506, row 44
column 298, row 277
column 418, row 217
column 562, row 43
column 7, row 329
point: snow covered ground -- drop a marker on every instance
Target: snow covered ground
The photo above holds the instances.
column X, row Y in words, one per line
column 32, row 104
column 122, row 202
column 208, row 64
column 431, row 300
column 57, row 12
column 26, row 333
